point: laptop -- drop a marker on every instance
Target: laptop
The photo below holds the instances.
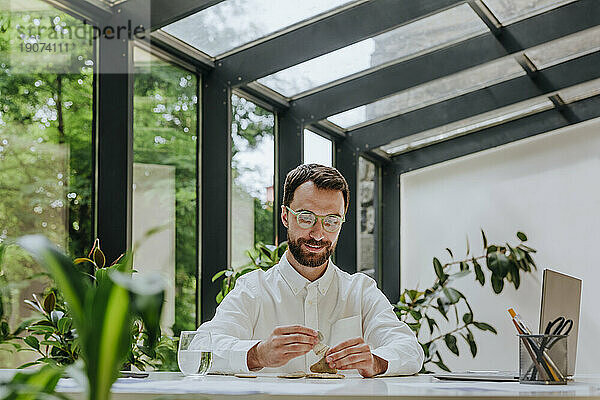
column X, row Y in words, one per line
column 561, row 296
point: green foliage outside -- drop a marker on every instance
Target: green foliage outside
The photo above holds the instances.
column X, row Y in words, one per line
column 164, row 125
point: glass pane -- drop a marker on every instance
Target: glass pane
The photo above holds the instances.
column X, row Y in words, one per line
column 509, row 11
column 431, row 92
column 252, row 178
column 566, row 48
column 233, row 23
column 317, row 149
column 424, row 35
column 367, row 217
column 46, row 170
column 164, row 182
column 469, row 125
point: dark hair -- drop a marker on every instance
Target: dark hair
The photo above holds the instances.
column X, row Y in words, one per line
column 325, row 178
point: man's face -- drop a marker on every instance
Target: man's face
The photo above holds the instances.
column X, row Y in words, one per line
column 312, row 247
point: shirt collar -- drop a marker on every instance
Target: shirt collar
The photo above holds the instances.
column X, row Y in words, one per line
column 297, row 282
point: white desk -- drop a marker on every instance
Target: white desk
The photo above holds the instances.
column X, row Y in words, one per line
column 173, row 385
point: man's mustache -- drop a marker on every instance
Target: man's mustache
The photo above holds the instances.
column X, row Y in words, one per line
column 314, row 242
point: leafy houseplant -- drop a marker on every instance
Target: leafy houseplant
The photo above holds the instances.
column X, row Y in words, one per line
column 422, row 309
column 101, row 308
column 59, row 345
column 263, row 256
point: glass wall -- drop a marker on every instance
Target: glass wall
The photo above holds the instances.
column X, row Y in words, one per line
column 164, row 226
column 252, row 177
column 367, row 218
column 46, row 163
column 317, row 149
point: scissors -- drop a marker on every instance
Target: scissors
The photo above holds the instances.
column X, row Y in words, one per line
column 561, row 326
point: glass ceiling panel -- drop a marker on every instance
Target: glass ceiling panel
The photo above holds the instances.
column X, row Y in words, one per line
column 233, row 23
column 468, row 125
column 431, row 92
column 509, row 11
column 421, row 36
column 566, row 48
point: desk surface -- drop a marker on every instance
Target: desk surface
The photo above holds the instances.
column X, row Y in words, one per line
column 173, row 385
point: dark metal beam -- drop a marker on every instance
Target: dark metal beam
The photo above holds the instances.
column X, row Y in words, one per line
column 347, row 164
column 113, row 123
column 495, row 136
column 164, row 12
column 215, row 182
column 365, row 89
column 563, row 75
column 323, row 36
column 85, row 10
column 390, row 225
column 289, row 146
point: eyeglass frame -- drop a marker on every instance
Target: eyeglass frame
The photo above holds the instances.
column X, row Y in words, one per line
column 318, row 217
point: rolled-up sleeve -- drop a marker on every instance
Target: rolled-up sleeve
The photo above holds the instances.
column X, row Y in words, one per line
column 231, row 328
column 388, row 337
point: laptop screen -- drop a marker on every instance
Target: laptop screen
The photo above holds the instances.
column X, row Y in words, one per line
column 561, row 296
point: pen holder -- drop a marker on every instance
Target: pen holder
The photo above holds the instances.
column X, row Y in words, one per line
column 543, row 359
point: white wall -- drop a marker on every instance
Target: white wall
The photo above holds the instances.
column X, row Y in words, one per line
column 546, row 186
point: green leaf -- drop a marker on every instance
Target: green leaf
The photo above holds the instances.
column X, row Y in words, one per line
column 478, row 272
column 99, row 257
column 484, row 239
column 64, row 325
column 464, row 266
column 449, row 252
column 452, row 295
column 468, row 247
column 49, row 302
column 441, row 365
column 468, row 318
column 415, row 326
column 485, row 327
column 431, row 323
column 471, row 342
column 498, row 263
column 416, row 315
column 451, row 343
column 32, row 341
column 437, row 266
column 442, row 308
column 497, row 283
column 218, row 275
column 522, row 236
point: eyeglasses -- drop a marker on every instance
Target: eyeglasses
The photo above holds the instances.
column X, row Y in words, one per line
column 307, row 219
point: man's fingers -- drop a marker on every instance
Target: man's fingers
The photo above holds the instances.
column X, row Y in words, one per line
column 296, row 348
column 353, row 359
column 347, row 351
column 298, row 338
column 347, row 343
column 293, row 329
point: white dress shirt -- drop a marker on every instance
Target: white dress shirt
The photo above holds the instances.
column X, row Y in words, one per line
column 339, row 305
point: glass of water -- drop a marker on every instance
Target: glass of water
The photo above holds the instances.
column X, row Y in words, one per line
column 194, row 355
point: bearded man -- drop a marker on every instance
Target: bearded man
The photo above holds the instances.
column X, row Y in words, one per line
column 270, row 320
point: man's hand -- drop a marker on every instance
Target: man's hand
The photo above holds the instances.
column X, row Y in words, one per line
column 356, row 354
column 285, row 343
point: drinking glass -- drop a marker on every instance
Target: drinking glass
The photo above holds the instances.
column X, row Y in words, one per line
column 194, row 355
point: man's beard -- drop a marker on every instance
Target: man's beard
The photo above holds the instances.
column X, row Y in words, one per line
column 306, row 258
